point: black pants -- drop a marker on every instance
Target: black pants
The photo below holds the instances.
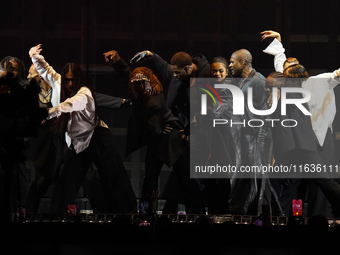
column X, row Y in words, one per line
column 153, row 167
column 317, row 204
column 180, row 188
column 288, row 188
column 115, row 181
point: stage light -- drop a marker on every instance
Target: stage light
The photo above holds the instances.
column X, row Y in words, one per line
column 237, row 219
column 100, row 218
column 218, row 219
column 246, row 219
column 63, row 217
column 144, row 224
column 283, row 220
column 331, row 222
column 109, row 218
column 228, row 217
column 83, row 217
column 221, row 218
column 86, row 211
column 274, row 220
column 91, row 218
column 191, row 218
column 173, row 218
column 182, row 218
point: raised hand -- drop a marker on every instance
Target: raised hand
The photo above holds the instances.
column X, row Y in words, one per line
column 337, row 73
column 270, row 34
column 35, row 50
column 111, row 56
column 140, row 55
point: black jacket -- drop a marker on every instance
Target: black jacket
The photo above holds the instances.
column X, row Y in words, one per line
column 177, row 92
column 257, row 82
column 301, row 136
column 148, row 118
column 147, row 121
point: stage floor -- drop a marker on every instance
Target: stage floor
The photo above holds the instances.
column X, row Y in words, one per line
column 166, row 237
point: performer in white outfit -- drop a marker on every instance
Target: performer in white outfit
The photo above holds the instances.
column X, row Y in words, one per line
column 88, row 138
column 322, row 103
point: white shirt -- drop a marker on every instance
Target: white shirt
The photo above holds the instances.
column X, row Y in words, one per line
column 54, row 80
column 82, row 122
column 49, row 75
column 322, row 103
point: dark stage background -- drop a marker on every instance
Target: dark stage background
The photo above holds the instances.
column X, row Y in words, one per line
column 82, row 30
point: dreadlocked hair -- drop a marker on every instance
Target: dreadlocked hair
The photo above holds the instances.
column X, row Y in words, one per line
column 155, row 84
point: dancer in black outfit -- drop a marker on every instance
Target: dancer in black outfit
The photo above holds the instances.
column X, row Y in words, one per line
column 253, row 191
column 176, row 79
column 151, row 123
column 162, row 149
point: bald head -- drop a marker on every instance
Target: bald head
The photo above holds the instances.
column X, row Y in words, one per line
column 243, row 54
column 240, row 63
